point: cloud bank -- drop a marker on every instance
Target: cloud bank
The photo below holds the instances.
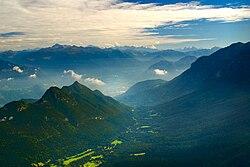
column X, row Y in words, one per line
column 102, row 22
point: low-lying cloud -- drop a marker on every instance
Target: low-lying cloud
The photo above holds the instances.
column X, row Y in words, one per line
column 73, row 74
column 95, row 81
column 10, row 79
column 160, row 72
column 18, row 69
column 33, row 76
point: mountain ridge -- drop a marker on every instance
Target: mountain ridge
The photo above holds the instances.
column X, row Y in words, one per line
column 205, row 71
column 67, row 119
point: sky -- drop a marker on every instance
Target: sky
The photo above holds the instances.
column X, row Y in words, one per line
column 28, row 24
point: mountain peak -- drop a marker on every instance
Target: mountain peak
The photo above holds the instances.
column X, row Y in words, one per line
column 76, row 87
column 57, row 46
column 76, row 83
column 51, row 91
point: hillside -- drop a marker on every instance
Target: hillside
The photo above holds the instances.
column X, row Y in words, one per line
column 181, row 64
column 62, row 122
column 133, row 94
column 170, row 55
column 202, row 52
column 227, row 65
column 209, row 127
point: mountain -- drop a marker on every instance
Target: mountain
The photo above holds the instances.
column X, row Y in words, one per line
column 187, row 49
column 227, row 65
column 136, row 49
column 62, row 122
column 208, row 125
column 170, row 55
column 200, row 118
column 169, row 66
column 185, row 62
column 132, row 95
column 136, row 52
column 214, row 118
column 202, row 52
column 59, row 56
column 163, row 65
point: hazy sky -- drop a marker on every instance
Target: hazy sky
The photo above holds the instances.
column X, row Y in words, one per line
column 152, row 23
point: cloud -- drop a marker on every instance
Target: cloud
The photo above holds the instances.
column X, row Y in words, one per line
column 10, row 34
column 178, row 26
column 160, row 72
column 10, row 79
column 73, row 74
column 18, row 69
column 90, row 80
column 33, row 76
column 100, row 22
column 95, row 81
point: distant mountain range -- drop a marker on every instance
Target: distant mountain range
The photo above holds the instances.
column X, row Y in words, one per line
column 136, row 52
column 202, row 52
column 59, row 56
column 170, row 55
column 229, row 65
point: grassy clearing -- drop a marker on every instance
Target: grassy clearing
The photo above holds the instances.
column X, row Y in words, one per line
column 153, row 115
column 96, row 157
column 116, row 142
column 138, row 154
column 78, row 157
column 92, row 164
column 145, row 127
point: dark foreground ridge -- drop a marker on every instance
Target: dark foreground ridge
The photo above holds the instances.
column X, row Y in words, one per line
column 63, row 121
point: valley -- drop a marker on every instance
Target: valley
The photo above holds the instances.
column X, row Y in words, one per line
column 198, row 118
